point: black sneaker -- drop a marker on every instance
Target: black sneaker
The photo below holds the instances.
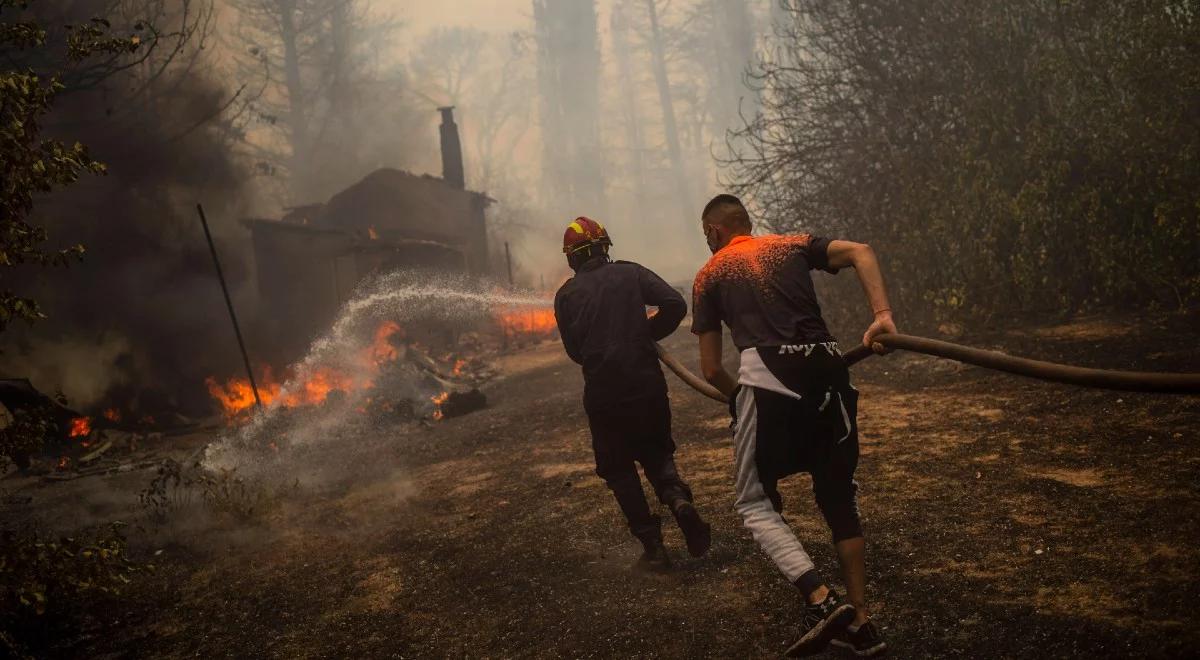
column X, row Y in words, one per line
column 820, row 624
column 864, row 643
column 654, row 558
column 696, row 532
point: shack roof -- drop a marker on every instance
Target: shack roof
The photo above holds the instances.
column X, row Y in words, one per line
column 405, row 205
column 357, row 240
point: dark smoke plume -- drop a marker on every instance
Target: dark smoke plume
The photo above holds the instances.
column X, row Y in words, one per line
column 140, row 322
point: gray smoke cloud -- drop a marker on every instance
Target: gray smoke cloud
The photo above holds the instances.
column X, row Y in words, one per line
column 140, row 321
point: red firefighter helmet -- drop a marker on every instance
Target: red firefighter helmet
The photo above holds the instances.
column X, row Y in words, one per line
column 584, row 232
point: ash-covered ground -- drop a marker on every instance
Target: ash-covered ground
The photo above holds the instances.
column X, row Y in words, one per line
column 1005, row 517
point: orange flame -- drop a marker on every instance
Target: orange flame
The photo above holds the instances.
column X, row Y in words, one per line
column 538, row 322
column 317, row 388
column 382, row 350
column 372, row 233
column 112, row 415
column 236, row 396
column 81, row 427
column 438, row 400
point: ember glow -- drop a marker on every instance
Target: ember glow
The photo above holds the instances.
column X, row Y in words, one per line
column 438, row 400
column 112, row 415
column 236, row 396
column 81, row 427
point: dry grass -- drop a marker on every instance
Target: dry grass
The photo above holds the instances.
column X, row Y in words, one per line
column 1005, row 517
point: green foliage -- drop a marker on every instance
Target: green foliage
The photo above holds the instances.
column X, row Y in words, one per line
column 1026, row 155
column 31, row 164
column 43, row 580
column 84, row 41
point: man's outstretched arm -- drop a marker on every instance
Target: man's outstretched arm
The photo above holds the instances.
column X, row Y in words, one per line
column 710, row 363
column 862, row 258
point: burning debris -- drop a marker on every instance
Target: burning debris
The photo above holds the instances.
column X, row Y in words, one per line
column 402, row 352
column 236, row 396
column 70, row 444
column 80, row 427
column 438, row 400
column 457, row 404
column 529, row 323
column 96, row 452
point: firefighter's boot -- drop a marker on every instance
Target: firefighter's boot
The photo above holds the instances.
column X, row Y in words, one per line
column 654, row 556
column 696, row 531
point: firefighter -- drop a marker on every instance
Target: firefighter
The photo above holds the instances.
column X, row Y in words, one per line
column 794, row 407
column 602, row 318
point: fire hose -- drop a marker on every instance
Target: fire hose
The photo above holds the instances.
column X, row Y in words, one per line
column 1131, row 381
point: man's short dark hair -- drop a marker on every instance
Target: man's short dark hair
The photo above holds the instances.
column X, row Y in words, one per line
column 740, row 216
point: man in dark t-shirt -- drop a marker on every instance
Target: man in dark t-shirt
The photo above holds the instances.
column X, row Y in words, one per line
column 794, row 407
column 601, row 314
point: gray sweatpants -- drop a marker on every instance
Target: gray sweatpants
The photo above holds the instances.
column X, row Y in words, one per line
column 766, row 525
column 777, row 435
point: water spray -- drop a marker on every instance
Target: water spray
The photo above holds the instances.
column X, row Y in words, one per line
column 397, row 296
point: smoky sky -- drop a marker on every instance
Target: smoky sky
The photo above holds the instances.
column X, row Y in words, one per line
column 482, row 14
column 141, row 321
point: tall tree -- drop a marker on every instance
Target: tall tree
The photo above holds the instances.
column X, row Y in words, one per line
column 1028, row 154
column 568, row 63
column 662, row 81
column 627, row 85
column 314, row 60
column 487, row 76
column 447, row 62
column 732, row 45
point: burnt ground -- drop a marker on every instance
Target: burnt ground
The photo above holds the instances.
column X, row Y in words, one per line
column 1004, row 516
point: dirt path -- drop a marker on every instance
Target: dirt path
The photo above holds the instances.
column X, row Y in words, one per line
column 1005, row 516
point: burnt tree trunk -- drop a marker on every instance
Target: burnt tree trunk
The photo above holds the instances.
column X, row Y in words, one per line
column 627, row 85
column 298, row 120
column 662, row 81
column 568, row 56
column 733, row 34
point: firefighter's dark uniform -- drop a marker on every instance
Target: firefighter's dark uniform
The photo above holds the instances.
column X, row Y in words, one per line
column 601, row 315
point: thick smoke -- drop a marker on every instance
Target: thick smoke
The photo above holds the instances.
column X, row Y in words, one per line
column 140, row 321
column 141, row 324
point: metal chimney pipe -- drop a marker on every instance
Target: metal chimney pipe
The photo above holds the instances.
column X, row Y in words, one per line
column 452, row 160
